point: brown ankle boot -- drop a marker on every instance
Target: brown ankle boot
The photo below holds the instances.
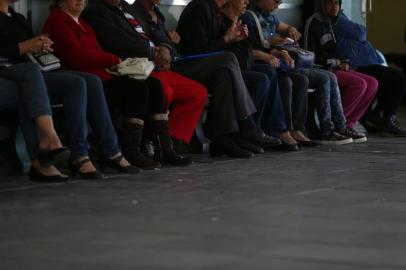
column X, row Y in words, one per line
column 163, row 145
column 131, row 147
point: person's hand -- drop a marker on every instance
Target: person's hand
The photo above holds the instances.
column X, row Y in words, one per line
column 273, row 61
column 236, row 32
column 276, row 41
column 287, row 58
column 243, row 29
column 37, row 44
column 162, row 58
column 344, row 66
column 174, row 36
column 293, row 33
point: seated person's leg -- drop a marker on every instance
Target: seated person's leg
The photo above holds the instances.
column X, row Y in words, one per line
column 188, row 100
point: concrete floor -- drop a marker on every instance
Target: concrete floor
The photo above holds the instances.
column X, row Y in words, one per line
column 322, row 209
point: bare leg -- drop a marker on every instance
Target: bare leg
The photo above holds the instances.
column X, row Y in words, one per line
column 48, row 138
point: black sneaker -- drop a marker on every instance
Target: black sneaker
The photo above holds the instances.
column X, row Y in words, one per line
column 391, row 125
column 334, row 138
column 357, row 137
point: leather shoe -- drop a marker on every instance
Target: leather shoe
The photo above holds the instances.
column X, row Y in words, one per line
column 307, row 143
column 52, row 157
column 35, row 175
column 228, row 147
column 260, row 138
column 75, row 169
column 247, row 145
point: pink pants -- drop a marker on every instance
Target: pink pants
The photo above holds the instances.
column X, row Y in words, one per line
column 357, row 93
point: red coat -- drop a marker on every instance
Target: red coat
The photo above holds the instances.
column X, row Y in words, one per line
column 76, row 45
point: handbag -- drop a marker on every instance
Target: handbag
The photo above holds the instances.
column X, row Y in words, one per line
column 136, row 68
column 46, row 61
column 303, row 58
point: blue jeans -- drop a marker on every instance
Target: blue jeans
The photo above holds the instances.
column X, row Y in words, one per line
column 24, row 90
column 327, row 99
column 273, row 118
column 82, row 96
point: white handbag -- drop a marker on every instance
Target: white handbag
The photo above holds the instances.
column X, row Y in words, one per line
column 136, row 68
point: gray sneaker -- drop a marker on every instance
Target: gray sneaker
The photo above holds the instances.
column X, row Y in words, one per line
column 334, row 138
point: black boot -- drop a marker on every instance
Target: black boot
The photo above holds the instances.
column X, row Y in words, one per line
column 163, row 147
column 131, row 147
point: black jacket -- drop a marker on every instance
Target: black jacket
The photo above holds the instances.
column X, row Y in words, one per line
column 114, row 32
column 200, row 28
column 156, row 31
column 319, row 37
column 13, row 30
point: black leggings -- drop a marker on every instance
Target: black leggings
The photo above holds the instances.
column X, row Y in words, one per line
column 135, row 98
column 391, row 90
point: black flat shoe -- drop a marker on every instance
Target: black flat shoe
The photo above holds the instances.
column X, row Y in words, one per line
column 307, row 143
column 39, row 177
column 115, row 164
column 52, row 157
column 75, row 169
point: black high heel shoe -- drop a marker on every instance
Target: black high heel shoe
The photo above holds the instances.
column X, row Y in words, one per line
column 75, row 169
column 115, row 164
column 35, row 175
column 52, row 157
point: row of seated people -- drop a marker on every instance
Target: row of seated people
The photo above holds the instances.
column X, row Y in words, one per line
column 253, row 106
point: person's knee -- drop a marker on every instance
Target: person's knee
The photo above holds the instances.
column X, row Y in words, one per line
column 31, row 70
column 302, row 81
column 360, row 86
column 373, row 85
column 200, row 92
column 74, row 86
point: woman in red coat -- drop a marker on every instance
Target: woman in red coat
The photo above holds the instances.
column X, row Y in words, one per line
column 76, row 45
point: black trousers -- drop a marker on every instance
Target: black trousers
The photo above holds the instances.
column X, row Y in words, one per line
column 134, row 98
column 293, row 89
column 230, row 100
column 391, row 89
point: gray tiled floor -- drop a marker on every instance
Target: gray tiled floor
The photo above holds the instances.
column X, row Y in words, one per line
column 323, row 209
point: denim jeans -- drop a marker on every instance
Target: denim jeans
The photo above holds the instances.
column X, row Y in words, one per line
column 327, row 99
column 273, row 118
column 258, row 86
column 23, row 89
column 83, row 99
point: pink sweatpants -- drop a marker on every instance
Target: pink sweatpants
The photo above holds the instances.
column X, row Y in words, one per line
column 357, row 92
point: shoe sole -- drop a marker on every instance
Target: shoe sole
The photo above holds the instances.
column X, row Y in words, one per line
column 360, row 140
column 341, row 142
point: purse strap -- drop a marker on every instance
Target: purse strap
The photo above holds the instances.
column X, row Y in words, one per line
column 259, row 27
